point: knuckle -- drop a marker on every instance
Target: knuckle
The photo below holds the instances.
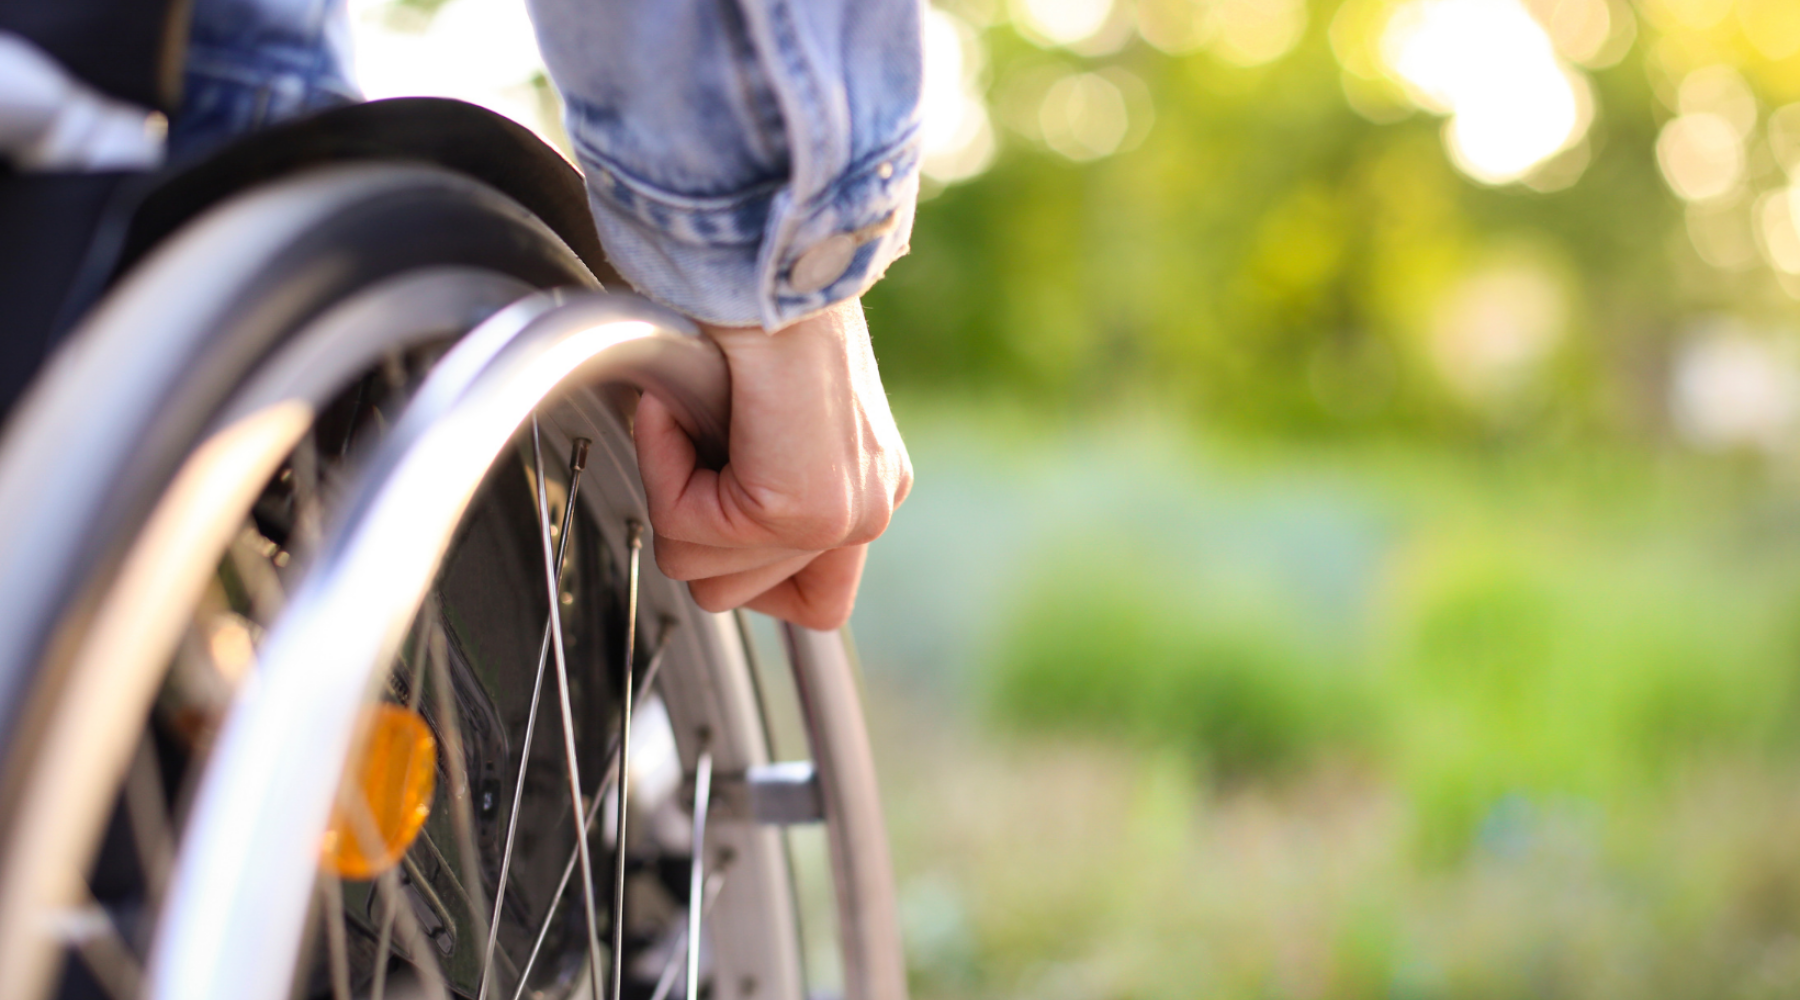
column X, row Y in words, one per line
column 903, row 483
column 871, row 527
column 807, row 522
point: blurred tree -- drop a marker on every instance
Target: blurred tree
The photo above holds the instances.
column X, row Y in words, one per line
column 1263, row 254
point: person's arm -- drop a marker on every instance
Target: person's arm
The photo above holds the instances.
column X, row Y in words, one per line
column 754, row 164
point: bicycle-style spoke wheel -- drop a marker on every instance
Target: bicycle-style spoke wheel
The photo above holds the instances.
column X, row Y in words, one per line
column 428, row 611
column 342, row 706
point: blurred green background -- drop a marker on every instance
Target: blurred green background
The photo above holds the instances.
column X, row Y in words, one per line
column 1356, row 550
column 1356, row 545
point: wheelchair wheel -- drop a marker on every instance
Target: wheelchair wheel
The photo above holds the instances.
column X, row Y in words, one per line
column 270, row 734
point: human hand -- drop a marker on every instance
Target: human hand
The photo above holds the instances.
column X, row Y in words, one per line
column 816, row 469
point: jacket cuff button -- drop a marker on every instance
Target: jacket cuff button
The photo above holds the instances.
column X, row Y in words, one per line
column 824, row 263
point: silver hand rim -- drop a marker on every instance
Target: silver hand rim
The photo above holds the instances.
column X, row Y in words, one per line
column 238, row 891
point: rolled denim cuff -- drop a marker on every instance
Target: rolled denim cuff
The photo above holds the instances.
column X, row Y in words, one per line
column 756, row 258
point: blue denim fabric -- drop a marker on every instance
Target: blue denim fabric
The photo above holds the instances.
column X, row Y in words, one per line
column 748, row 161
column 255, row 62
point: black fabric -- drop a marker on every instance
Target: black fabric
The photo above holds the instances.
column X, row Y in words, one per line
column 131, row 49
column 51, row 226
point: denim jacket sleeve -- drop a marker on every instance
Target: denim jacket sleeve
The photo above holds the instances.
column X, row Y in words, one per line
column 748, row 161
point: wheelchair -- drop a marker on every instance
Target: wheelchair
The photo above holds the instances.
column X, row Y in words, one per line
column 332, row 663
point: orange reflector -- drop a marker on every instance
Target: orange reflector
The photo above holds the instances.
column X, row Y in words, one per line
column 395, row 778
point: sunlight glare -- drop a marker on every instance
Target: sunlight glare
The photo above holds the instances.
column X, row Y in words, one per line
column 481, row 51
column 1061, row 22
column 957, row 135
column 1491, row 67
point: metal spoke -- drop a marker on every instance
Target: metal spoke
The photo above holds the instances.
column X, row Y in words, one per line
column 577, row 462
column 418, row 946
column 383, row 941
column 249, row 556
column 415, row 682
column 607, row 777
column 90, row 930
column 696, row 881
column 568, row 715
column 308, row 520
column 147, row 806
column 562, row 886
column 337, row 949
column 462, row 818
column 666, row 981
column 624, row 784
column 385, row 937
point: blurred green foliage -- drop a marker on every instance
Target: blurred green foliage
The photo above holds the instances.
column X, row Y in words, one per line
column 1562, row 636
column 1272, row 266
column 1549, row 751
column 1543, row 742
column 1270, row 261
column 1115, row 655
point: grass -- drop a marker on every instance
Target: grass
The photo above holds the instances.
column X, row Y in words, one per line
column 1349, row 725
column 1560, row 647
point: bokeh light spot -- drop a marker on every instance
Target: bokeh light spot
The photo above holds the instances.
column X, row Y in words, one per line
column 1772, row 26
column 1084, row 116
column 1734, row 389
column 957, row 134
column 1253, row 32
column 1579, row 28
column 1494, row 328
column 1721, row 234
column 1176, row 26
column 1718, row 90
column 1784, row 137
column 1776, row 226
column 1702, row 156
column 1491, row 67
column 1061, row 22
